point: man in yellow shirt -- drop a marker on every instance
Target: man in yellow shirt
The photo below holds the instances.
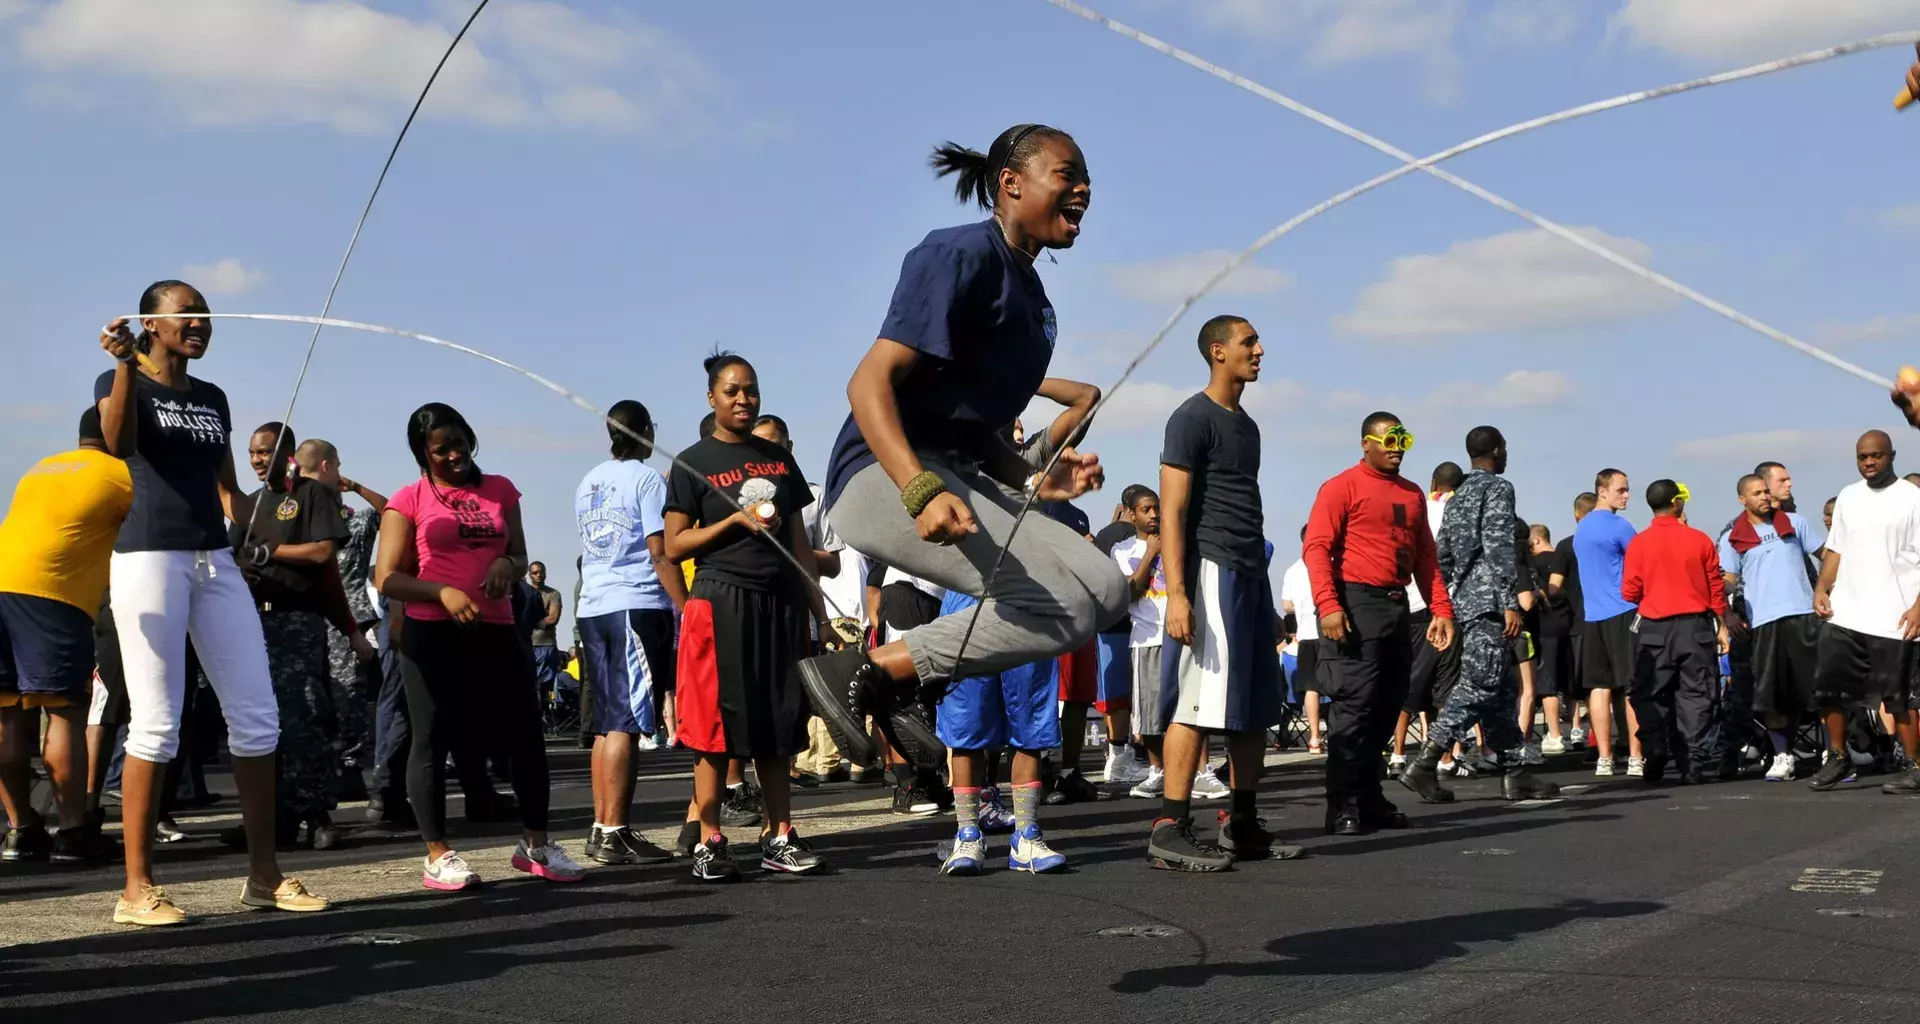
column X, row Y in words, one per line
column 54, row 548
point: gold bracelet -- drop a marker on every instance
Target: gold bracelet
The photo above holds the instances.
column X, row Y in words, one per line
column 920, row 491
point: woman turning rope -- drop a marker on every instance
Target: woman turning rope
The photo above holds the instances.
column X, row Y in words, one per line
column 175, row 576
column 921, row 477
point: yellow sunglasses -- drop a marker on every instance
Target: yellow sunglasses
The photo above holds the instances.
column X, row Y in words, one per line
column 1396, row 439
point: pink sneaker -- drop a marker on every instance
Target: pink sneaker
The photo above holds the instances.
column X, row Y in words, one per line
column 449, row 873
column 549, row 862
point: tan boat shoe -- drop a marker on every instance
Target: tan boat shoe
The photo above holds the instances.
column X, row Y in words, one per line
column 153, row 909
column 290, row 896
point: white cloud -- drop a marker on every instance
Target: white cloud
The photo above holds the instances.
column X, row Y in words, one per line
column 1519, row 281
column 227, row 277
column 1334, row 32
column 1879, row 328
column 1906, row 216
column 1779, row 445
column 1731, row 30
column 1176, row 277
column 1519, row 388
column 355, row 68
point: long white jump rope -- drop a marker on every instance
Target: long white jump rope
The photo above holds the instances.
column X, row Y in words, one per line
column 1409, row 165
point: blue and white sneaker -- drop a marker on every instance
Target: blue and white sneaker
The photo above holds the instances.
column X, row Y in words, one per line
column 995, row 817
column 1031, row 853
column 968, row 855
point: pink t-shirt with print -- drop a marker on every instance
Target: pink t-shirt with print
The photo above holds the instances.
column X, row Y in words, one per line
column 458, row 533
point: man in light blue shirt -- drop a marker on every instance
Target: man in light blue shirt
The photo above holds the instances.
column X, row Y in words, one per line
column 1766, row 552
column 1607, row 641
column 630, row 597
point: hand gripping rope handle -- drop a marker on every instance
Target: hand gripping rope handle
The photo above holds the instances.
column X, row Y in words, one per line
column 1409, row 165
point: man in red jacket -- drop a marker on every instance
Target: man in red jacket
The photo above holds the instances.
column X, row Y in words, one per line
column 1672, row 572
column 1367, row 537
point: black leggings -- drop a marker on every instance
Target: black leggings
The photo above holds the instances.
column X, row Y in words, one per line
column 471, row 689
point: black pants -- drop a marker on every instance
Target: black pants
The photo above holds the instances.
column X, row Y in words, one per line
column 1365, row 678
column 1738, row 724
column 1676, row 689
column 470, row 689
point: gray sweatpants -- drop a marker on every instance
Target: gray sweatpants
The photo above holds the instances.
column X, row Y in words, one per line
column 1055, row 589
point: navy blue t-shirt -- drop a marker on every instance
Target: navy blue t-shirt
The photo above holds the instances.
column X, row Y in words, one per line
column 180, row 446
column 979, row 317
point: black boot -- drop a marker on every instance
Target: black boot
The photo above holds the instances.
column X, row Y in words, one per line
column 1421, row 775
column 1519, row 783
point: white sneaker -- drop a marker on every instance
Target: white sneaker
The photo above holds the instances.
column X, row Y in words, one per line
column 1782, row 770
column 1636, row 767
column 1577, row 736
column 449, row 873
column 549, row 862
column 1124, row 766
column 1553, row 745
column 1603, row 768
column 1207, row 785
column 1530, row 754
column 648, row 742
column 1151, row 787
column 1446, row 767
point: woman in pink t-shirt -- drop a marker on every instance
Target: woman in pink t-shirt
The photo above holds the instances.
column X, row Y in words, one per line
column 469, row 681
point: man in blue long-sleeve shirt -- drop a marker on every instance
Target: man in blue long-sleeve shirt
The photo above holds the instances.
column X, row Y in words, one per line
column 1607, row 647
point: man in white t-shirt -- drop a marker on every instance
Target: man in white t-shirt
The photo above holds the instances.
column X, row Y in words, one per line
column 1139, row 558
column 1296, row 599
column 1872, row 609
column 1434, row 672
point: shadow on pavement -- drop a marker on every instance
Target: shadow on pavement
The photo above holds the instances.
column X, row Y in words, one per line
column 266, row 963
column 1388, row 948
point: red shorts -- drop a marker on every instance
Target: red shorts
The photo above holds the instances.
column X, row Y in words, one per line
column 1080, row 675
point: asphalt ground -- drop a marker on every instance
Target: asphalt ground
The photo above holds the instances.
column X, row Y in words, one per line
column 1746, row 901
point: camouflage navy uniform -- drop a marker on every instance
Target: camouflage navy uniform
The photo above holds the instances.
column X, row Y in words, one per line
column 1476, row 558
column 294, row 601
column 353, row 735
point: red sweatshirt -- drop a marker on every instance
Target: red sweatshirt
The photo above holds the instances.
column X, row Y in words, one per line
column 1672, row 569
column 1371, row 528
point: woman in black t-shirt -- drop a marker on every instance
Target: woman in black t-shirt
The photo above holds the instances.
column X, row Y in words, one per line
column 174, row 576
column 745, row 625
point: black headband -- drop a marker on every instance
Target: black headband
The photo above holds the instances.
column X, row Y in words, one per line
column 1006, row 157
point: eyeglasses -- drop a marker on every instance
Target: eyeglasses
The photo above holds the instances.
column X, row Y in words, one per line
column 1396, row 439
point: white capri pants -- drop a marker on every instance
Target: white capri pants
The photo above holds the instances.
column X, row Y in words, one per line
column 159, row 599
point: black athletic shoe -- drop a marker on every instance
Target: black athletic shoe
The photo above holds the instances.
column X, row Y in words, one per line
column 910, row 730
column 914, row 800
column 24, row 844
column 689, row 838
column 1175, row 846
column 1248, row 839
column 625, row 846
column 788, row 854
column 1521, row 784
column 844, row 687
column 713, row 861
column 597, row 845
column 741, row 808
column 1072, row 788
column 1834, row 770
column 1905, row 785
column 84, row 845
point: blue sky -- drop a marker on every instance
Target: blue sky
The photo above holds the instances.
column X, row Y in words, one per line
column 605, row 191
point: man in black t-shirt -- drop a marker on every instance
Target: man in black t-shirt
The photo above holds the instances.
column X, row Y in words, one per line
column 1553, row 647
column 1568, row 589
column 287, row 556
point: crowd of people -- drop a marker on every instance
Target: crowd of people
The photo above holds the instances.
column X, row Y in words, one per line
column 905, row 616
